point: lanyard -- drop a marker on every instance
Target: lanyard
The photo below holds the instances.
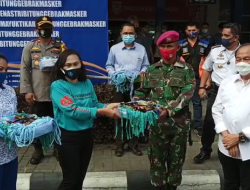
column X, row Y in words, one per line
column 231, row 56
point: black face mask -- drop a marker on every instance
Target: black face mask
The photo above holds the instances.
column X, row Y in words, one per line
column 45, row 33
column 72, row 73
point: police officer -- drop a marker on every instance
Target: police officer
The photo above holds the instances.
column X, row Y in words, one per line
column 193, row 51
column 36, row 77
column 220, row 64
column 170, row 83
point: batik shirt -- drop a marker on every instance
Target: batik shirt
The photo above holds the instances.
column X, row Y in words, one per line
column 171, row 86
column 8, row 105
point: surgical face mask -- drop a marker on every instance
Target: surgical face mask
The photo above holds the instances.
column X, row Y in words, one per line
column 204, row 31
column 45, row 32
column 128, row 39
column 243, row 68
column 226, row 42
column 72, row 73
column 192, row 34
column 3, row 76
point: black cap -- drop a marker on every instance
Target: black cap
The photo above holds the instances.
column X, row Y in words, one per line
column 43, row 20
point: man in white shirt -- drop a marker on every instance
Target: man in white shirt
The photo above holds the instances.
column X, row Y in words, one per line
column 219, row 64
column 231, row 113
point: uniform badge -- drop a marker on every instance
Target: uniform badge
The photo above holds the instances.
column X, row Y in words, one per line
column 168, row 39
column 185, row 50
column 220, row 57
column 35, row 48
column 44, row 19
column 36, row 62
column 202, row 50
column 220, row 66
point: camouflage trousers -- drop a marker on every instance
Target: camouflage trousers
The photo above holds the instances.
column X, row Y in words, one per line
column 167, row 151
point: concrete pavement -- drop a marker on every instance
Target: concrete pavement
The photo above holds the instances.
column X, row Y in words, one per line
column 109, row 172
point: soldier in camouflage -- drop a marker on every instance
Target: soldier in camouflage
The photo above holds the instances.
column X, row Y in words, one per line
column 170, row 83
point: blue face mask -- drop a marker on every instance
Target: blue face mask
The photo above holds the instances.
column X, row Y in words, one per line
column 2, row 77
column 128, row 39
column 226, row 42
column 192, row 34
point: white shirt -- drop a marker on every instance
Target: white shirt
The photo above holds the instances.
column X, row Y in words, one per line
column 231, row 111
column 217, row 61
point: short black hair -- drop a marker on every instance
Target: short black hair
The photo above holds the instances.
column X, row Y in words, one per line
column 3, row 57
column 205, row 23
column 221, row 24
column 192, row 23
column 243, row 45
column 235, row 29
column 58, row 74
column 127, row 24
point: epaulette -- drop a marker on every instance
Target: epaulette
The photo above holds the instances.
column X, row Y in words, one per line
column 216, row 46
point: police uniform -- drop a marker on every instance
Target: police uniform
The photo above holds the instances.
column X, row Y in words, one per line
column 171, row 86
column 35, row 80
column 194, row 55
column 221, row 62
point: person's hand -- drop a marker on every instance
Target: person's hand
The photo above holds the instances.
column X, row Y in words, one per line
column 163, row 114
column 113, row 105
column 30, row 98
column 202, row 93
column 112, row 113
column 230, row 140
column 208, row 84
column 234, row 151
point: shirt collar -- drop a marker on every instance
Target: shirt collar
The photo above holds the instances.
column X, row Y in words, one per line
column 124, row 47
column 238, row 78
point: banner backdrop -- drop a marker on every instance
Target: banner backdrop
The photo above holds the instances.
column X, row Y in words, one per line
column 82, row 24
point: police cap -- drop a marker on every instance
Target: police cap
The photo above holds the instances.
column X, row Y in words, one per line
column 43, row 20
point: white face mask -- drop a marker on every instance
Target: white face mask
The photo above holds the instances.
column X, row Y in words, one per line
column 243, row 68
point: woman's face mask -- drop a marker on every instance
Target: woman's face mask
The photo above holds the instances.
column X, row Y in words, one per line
column 72, row 68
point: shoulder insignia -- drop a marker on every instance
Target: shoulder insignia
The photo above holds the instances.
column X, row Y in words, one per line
column 63, row 46
column 215, row 46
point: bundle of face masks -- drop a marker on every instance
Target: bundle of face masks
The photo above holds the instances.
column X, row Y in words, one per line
column 47, row 63
column 138, row 116
column 124, row 81
column 23, row 128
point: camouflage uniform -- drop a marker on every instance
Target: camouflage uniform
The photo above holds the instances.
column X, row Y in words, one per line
column 171, row 86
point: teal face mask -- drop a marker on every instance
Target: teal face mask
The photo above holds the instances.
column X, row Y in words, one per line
column 128, row 39
column 204, row 31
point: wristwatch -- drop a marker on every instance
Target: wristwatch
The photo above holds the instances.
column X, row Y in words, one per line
column 242, row 137
column 202, row 87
